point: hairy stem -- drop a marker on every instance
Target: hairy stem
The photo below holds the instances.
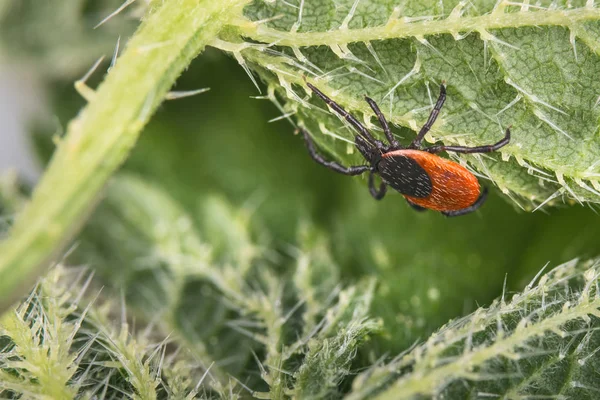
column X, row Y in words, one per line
column 100, row 138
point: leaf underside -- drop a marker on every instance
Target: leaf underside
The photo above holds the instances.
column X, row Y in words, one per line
column 532, row 67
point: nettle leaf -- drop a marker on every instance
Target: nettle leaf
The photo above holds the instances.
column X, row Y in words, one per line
column 534, row 67
column 540, row 343
column 219, row 294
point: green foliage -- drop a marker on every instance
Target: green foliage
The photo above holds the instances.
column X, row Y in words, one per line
column 303, row 328
column 530, row 66
column 239, row 256
column 304, row 331
column 540, row 343
column 59, row 344
column 217, row 300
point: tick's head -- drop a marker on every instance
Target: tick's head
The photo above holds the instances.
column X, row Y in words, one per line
column 371, row 153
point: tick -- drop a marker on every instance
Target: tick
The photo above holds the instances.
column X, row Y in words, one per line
column 426, row 180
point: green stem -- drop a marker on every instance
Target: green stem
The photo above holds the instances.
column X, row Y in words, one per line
column 100, row 138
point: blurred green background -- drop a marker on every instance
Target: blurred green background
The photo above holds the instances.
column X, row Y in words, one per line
column 429, row 268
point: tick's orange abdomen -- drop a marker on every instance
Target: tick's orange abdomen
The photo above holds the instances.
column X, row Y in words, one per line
column 453, row 186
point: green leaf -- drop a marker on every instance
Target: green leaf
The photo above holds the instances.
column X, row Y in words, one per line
column 328, row 359
column 143, row 243
column 530, row 66
column 220, row 307
column 540, row 343
column 63, row 342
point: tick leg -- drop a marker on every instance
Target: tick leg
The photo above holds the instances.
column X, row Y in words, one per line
column 469, row 209
column 415, row 206
column 468, row 150
column 353, row 121
column 383, row 122
column 432, row 117
column 377, row 194
column 356, row 170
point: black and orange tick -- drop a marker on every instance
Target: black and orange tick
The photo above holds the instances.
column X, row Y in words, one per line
column 426, row 180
